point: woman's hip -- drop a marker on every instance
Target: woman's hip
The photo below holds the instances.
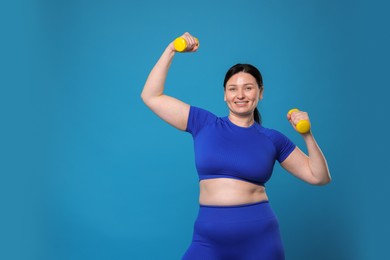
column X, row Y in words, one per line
column 240, row 232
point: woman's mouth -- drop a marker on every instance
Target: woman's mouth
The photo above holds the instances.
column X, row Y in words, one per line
column 241, row 103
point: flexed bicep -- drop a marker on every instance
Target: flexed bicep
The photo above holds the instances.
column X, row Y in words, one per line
column 173, row 111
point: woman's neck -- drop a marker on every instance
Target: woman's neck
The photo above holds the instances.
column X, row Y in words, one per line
column 243, row 121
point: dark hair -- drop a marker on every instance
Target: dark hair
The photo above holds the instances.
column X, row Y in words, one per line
column 251, row 70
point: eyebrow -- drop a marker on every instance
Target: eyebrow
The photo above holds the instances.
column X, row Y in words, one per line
column 246, row 84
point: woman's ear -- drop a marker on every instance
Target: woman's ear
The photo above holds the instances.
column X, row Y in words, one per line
column 261, row 93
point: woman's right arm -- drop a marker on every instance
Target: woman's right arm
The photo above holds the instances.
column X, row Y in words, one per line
column 171, row 110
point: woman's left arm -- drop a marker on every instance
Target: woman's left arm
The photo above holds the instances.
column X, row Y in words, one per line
column 311, row 168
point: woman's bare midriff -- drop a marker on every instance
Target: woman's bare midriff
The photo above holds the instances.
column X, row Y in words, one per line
column 227, row 192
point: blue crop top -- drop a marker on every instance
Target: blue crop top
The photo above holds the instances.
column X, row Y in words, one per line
column 225, row 150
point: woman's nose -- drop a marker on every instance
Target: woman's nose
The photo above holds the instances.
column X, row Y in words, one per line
column 240, row 94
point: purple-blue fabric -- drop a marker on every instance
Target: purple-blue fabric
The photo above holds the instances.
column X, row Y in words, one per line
column 225, row 150
column 242, row 232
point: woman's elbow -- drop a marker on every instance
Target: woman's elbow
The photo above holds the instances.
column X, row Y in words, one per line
column 322, row 181
column 145, row 98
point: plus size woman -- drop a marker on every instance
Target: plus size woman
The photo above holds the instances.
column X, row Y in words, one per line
column 234, row 157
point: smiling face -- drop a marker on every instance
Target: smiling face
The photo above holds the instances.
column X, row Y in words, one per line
column 242, row 93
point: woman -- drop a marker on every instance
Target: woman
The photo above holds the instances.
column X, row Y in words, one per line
column 234, row 157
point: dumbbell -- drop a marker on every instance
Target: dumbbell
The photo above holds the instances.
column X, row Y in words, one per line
column 180, row 44
column 303, row 126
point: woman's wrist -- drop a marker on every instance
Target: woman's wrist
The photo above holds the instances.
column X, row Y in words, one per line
column 171, row 48
column 308, row 136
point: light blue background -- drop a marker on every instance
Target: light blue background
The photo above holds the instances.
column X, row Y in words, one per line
column 88, row 172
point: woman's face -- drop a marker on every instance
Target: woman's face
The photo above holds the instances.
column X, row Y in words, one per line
column 242, row 93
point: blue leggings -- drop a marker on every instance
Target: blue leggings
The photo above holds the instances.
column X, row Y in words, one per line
column 242, row 232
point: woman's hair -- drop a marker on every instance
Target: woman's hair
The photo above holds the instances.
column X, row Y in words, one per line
column 251, row 70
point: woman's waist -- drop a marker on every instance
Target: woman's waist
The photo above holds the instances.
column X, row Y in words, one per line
column 226, row 191
column 256, row 211
column 230, row 185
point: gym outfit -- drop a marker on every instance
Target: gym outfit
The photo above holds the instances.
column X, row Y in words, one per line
column 225, row 150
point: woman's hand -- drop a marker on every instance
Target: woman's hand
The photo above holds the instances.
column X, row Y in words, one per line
column 295, row 117
column 192, row 43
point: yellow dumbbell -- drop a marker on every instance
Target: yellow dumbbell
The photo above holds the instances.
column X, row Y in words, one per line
column 303, row 126
column 180, row 44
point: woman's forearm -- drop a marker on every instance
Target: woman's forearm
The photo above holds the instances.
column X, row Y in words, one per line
column 317, row 161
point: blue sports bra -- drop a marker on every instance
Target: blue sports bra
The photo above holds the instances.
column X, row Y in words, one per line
column 225, row 150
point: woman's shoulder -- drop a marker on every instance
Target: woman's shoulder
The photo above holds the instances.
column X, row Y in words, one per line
column 280, row 140
column 272, row 133
column 202, row 114
column 200, row 111
column 199, row 118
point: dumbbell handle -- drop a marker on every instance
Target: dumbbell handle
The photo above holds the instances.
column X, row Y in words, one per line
column 303, row 126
